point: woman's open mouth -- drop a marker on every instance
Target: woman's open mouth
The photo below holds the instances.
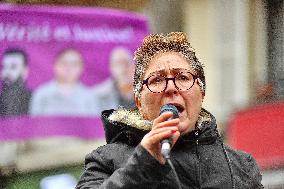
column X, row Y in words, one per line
column 179, row 107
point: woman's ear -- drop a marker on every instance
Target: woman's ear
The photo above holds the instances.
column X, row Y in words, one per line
column 139, row 106
column 137, row 102
column 201, row 86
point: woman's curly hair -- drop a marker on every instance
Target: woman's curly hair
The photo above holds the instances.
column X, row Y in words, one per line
column 159, row 43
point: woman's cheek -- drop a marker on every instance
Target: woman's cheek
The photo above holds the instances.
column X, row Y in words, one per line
column 150, row 106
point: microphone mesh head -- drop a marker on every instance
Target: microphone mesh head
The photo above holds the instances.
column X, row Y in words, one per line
column 169, row 108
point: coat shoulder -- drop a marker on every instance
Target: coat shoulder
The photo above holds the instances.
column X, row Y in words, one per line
column 113, row 155
column 245, row 168
column 240, row 157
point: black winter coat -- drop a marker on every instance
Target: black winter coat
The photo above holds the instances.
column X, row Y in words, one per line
column 200, row 159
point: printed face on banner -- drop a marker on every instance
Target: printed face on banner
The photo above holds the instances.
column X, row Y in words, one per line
column 68, row 66
column 13, row 68
column 122, row 71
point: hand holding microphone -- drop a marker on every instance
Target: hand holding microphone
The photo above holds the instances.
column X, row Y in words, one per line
column 167, row 143
column 165, row 126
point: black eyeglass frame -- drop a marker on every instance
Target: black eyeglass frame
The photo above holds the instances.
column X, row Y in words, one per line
column 145, row 82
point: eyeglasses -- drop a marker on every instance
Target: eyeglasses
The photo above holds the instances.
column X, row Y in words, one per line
column 183, row 81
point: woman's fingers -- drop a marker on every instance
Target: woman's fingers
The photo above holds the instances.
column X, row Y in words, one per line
column 175, row 137
column 165, row 121
column 163, row 117
column 156, row 138
column 172, row 122
column 159, row 130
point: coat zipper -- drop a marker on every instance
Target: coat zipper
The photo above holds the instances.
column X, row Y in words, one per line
column 198, row 160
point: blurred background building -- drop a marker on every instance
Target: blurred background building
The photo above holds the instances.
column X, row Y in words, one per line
column 240, row 43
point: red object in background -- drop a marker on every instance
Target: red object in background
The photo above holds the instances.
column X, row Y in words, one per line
column 260, row 132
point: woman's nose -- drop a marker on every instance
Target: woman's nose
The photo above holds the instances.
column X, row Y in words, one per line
column 171, row 88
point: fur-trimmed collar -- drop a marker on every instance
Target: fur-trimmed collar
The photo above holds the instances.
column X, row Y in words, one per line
column 128, row 126
column 133, row 118
column 130, row 117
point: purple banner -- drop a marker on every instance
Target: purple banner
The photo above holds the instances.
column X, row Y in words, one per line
column 61, row 66
column 27, row 127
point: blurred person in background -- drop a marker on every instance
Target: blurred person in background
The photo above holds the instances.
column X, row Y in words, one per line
column 65, row 95
column 14, row 101
column 15, row 96
column 167, row 72
column 117, row 90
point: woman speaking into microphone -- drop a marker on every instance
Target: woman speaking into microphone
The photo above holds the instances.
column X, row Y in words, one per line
column 167, row 73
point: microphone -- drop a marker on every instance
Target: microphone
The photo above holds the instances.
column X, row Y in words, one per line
column 167, row 143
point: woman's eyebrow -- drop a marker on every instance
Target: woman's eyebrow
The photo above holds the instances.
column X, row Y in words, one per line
column 157, row 72
column 179, row 69
column 163, row 71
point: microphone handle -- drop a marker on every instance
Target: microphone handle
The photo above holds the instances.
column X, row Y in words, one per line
column 166, row 147
column 166, row 144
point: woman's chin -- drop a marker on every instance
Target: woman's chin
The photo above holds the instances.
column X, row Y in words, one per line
column 185, row 127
